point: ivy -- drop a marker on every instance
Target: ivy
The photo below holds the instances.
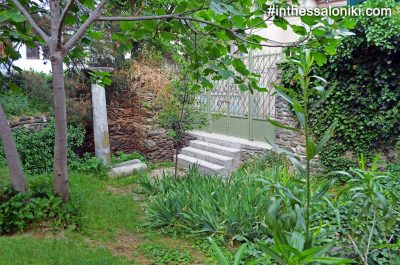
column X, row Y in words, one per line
column 365, row 77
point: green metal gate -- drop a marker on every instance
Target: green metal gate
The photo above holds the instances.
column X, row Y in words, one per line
column 243, row 114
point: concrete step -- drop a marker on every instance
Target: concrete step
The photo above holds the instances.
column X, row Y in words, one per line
column 225, row 161
column 230, row 141
column 126, row 169
column 204, row 166
column 216, row 148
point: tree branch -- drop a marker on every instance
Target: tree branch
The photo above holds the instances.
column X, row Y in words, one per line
column 185, row 18
column 62, row 19
column 31, row 21
column 82, row 30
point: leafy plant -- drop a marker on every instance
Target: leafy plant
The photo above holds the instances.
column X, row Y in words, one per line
column 16, row 104
column 195, row 203
column 162, row 254
column 36, row 148
column 20, row 210
column 370, row 203
column 311, row 86
column 90, row 165
column 101, row 78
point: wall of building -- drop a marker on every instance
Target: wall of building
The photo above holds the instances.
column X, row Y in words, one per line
column 37, row 65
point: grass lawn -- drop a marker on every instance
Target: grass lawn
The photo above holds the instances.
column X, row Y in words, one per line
column 111, row 231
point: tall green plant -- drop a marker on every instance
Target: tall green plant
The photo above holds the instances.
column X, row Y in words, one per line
column 300, row 101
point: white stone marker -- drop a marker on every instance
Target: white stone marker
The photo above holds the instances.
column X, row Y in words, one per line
column 100, row 121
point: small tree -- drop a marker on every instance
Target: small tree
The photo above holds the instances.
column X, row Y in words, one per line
column 180, row 114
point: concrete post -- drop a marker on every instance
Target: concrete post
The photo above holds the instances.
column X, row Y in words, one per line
column 100, row 120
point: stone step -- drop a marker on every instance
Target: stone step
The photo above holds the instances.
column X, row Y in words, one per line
column 126, row 169
column 216, row 148
column 230, row 141
column 205, row 167
column 227, row 162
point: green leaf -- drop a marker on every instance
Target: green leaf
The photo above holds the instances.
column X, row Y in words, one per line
column 348, row 23
column 300, row 30
column 323, row 190
column 150, row 25
column 217, row 8
column 320, row 58
column 280, row 125
column 281, row 22
column 97, row 35
column 238, row 21
column 310, row 20
column 269, row 251
column 239, row 254
column 331, row 48
column 331, row 260
column 168, row 36
column 256, row 22
column 311, row 149
column 221, row 256
column 327, row 135
column 240, row 66
column 127, row 25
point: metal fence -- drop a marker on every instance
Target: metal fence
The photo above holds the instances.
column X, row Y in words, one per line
column 227, row 99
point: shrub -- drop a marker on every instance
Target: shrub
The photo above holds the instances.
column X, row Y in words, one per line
column 16, row 104
column 20, row 210
column 364, row 73
column 36, row 148
column 90, row 165
column 38, row 89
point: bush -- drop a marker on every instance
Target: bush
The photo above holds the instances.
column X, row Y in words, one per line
column 90, row 165
column 20, row 210
column 36, row 149
column 16, row 104
column 364, row 75
column 38, row 89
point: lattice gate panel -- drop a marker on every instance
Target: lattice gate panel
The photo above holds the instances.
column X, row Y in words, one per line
column 227, row 99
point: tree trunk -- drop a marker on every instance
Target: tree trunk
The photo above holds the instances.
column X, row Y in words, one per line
column 60, row 146
column 17, row 178
column 176, row 162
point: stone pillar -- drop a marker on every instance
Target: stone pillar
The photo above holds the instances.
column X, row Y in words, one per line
column 100, row 120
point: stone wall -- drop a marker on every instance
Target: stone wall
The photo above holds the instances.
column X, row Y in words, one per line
column 131, row 128
column 291, row 140
column 35, row 123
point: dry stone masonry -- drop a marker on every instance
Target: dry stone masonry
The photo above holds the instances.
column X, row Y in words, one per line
column 34, row 124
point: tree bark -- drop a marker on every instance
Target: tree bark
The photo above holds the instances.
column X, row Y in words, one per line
column 60, row 146
column 17, row 178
